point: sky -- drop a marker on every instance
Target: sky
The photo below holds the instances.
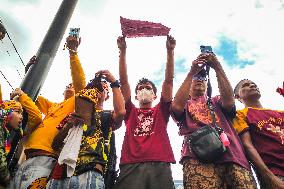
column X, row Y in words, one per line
column 246, row 36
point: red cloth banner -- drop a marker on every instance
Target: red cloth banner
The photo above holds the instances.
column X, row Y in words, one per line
column 138, row 28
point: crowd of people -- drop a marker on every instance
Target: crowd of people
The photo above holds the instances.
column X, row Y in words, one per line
column 68, row 147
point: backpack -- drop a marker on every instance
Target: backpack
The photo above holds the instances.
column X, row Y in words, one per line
column 110, row 150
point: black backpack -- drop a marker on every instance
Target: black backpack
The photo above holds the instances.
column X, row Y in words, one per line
column 110, row 150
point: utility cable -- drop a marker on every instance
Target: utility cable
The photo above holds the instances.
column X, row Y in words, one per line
column 6, row 79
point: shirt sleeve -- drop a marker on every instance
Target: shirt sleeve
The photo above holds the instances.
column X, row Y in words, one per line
column 77, row 73
column 239, row 122
column 178, row 119
column 231, row 114
column 4, row 172
column 43, row 104
column 128, row 107
column 34, row 114
column 165, row 109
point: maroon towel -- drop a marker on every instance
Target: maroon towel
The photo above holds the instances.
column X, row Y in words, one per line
column 138, row 28
column 59, row 172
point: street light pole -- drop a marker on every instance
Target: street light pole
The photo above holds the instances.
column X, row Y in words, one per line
column 37, row 73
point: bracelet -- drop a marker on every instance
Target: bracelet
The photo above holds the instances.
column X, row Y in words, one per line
column 65, row 46
column 115, row 84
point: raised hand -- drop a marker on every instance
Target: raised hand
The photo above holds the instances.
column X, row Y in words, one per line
column 16, row 92
column 106, row 75
column 281, row 90
column 171, row 43
column 121, row 43
column 31, row 62
column 72, row 43
column 197, row 65
column 211, row 60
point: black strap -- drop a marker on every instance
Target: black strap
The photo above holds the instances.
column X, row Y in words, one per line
column 105, row 125
column 209, row 102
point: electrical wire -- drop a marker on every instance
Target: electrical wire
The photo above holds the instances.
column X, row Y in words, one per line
column 6, row 80
column 5, row 49
column 14, row 46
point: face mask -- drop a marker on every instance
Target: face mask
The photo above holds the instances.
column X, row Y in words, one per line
column 145, row 96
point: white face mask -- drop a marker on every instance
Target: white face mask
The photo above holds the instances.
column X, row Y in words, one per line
column 145, row 96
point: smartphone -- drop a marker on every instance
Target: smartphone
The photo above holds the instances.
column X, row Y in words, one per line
column 74, row 32
column 205, row 49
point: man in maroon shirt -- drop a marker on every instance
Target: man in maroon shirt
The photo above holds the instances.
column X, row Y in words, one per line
column 262, row 133
column 191, row 111
column 146, row 151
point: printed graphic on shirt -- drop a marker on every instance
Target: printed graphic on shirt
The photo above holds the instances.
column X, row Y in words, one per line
column 272, row 125
column 200, row 112
column 276, row 130
column 145, row 123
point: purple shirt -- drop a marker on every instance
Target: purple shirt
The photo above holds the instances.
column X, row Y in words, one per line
column 197, row 114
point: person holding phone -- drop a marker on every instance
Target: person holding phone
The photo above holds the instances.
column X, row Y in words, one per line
column 40, row 155
column 190, row 110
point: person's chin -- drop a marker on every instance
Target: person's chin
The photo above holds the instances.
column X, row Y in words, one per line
column 145, row 102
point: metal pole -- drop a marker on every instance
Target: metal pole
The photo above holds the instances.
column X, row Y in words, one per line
column 37, row 73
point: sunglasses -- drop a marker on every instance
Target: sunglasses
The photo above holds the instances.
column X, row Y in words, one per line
column 199, row 78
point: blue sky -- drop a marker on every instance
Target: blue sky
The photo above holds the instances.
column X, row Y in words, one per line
column 228, row 49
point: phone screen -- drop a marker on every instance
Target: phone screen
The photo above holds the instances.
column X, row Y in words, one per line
column 74, row 32
column 205, row 49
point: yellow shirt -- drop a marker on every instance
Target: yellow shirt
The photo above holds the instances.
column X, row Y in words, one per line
column 43, row 136
column 239, row 122
column 34, row 114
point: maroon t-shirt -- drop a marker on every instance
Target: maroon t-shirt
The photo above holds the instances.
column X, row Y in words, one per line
column 197, row 114
column 146, row 138
column 266, row 128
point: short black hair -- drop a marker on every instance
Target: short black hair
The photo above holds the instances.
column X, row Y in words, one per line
column 145, row 81
column 237, row 87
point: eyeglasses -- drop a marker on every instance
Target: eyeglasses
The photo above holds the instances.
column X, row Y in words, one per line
column 199, row 78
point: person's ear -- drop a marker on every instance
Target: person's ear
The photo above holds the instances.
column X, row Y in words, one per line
column 136, row 97
column 237, row 97
column 155, row 96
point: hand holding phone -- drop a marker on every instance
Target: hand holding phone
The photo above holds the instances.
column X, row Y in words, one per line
column 74, row 32
column 73, row 40
column 205, row 49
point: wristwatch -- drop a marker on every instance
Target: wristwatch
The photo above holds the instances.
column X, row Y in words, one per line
column 115, row 84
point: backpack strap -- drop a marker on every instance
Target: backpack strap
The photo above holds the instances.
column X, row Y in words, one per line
column 106, row 117
column 110, row 173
